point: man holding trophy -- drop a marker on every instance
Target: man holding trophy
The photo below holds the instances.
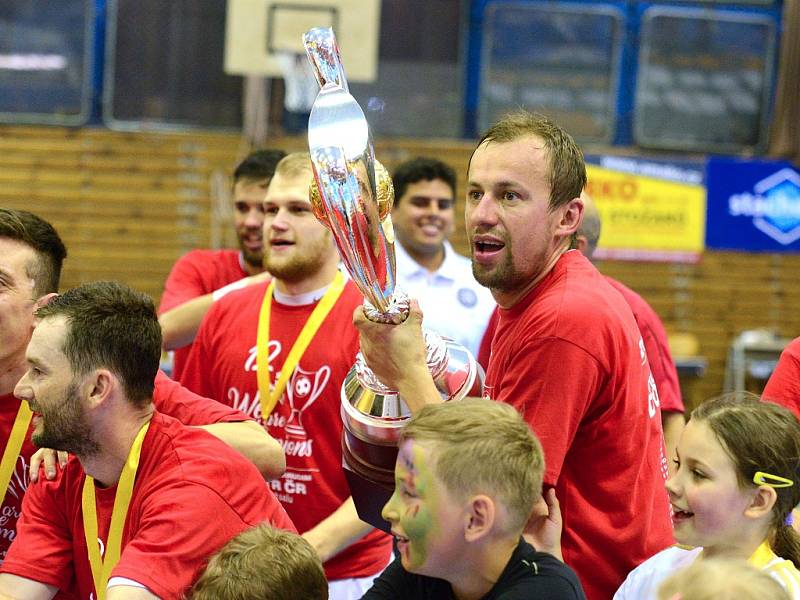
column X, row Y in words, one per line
column 567, row 353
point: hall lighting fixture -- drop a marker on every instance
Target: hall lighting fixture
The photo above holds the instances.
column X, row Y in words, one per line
column 33, row 62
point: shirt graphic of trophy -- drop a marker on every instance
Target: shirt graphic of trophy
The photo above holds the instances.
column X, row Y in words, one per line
column 302, row 391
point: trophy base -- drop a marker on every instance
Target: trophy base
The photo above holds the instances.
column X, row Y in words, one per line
column 374, row 416
column 370, row 486
column 377, row 414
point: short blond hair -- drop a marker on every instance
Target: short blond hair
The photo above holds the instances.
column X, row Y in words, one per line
column 263, row 562
column 481, row 446
column 721, row 579
column 566, row 167
column 294, row 164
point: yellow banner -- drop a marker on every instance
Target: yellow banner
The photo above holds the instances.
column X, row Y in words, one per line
column 646, row 218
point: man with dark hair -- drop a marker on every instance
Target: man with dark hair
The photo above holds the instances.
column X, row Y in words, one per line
column 28, row 229
column 31, row 256
column 428, row 268
column 202, row 276
column 567, row 353
column 145, row 500
column 653, row 333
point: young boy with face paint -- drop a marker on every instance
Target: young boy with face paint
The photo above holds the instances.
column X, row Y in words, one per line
column 466, row 479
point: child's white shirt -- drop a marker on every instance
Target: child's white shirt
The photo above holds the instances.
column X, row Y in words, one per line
column 643, row 582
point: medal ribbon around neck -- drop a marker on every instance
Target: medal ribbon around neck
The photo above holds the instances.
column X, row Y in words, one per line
column 308, row 332
column 14, row 445
column 102, row 566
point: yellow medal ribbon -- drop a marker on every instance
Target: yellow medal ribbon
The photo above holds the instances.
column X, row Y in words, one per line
column 308, row 332
column 102, row 565
column 14, row 445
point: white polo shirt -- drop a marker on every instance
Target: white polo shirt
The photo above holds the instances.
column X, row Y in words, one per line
column 453, row 303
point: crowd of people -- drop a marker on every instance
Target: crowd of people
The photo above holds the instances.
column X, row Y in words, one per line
column 576, row 476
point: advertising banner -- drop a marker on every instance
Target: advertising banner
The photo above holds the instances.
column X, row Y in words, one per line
column 650, row 210
column 753, row 205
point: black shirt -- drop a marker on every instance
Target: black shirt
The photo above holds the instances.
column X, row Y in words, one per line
column 529, row 575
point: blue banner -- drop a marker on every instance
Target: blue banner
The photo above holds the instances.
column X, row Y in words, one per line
column 753, row 205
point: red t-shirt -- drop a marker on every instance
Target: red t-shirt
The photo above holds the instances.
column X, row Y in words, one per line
column 169, row 397
column 195, row 274
column 655, row 343
column 570, row 358
column 12, row 504
column 783, row 386
column 485, row 349
column 192, row 494
column 307, row 420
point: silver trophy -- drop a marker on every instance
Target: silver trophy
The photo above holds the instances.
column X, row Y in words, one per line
column 352, row 195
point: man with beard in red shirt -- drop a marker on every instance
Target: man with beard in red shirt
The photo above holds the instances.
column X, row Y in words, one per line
column 567, row 353
column 145, row 500
column 279, row 351
column 31, row 257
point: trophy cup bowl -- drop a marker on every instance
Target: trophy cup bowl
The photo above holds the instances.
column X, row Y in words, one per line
column 352, row 195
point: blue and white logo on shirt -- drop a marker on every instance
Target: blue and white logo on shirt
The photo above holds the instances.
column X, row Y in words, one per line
column 467, row 297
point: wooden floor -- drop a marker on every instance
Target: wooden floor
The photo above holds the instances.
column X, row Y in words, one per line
column 129, row 204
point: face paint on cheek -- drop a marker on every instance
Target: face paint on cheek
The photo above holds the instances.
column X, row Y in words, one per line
column 417, row 522
column 410, row 483
column 408, row 472
column 417, row 525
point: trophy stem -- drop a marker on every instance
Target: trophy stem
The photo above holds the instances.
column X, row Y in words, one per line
column 323, row 53
column 352, row 195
